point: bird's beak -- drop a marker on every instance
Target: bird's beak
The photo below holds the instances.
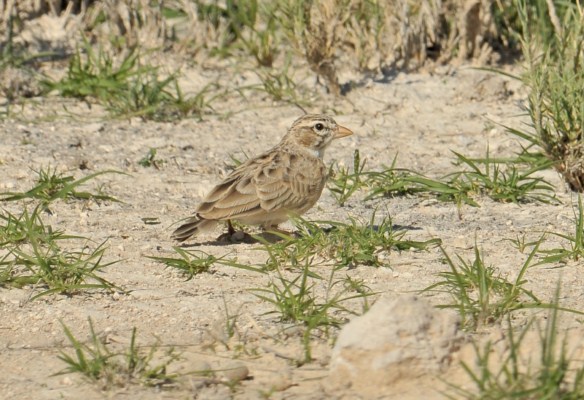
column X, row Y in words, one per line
column 342, row 132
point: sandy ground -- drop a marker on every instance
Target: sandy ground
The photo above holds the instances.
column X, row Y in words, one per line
column 419, row 117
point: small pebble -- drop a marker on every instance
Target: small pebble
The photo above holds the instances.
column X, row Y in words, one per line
column 66, row 381
column 281, row 381
column 235, row 372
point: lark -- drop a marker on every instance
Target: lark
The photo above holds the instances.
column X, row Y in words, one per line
column 267, row 190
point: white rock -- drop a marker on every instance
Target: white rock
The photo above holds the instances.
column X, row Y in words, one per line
column 399, row 338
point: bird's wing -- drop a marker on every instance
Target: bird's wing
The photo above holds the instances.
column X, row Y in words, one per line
column 299, row 183
column 274, row 181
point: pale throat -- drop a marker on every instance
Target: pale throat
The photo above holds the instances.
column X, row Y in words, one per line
column 311, row 144
column 316, row 152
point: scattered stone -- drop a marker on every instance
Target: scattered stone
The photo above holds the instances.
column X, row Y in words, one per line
column 235, row 372
column 282, row 381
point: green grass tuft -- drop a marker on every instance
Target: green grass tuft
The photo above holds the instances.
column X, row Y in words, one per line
column 481, row 295
column 32, row 255
column 111, row 368
column 346, row 245
column 553, row 373
column 52, row 186
column 295, row 300
column 127, row 88
column 554, row 77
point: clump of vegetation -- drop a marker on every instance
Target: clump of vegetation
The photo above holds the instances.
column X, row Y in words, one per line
column 126, row 87
column 575, row 248
column 110, row 368
column 368, row 35
column 340, row 244
column 503, row 180
column 52, row 186
column 343, row 183
column 191, row 263
column 295, row 300
column 551, row 371
column 33, row 255
column 480, row 294
column 554, row 77
column 150, row 160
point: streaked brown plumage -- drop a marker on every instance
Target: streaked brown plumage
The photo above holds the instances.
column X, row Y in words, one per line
column 266, row 190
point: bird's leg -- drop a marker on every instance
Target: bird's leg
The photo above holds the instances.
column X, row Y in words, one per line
column 228, row 236
column 230, row 228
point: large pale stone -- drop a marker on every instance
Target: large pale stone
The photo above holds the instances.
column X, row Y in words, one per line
column 397, row 339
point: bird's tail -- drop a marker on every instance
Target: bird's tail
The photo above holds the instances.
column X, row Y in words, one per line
column 193, row 226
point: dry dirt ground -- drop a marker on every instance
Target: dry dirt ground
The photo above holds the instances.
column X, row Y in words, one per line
column 419, row 117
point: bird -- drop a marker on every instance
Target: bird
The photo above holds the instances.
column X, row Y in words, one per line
column 268, row 189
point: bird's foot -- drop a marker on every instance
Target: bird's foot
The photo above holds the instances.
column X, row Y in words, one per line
column 230, row 228
column 233, row 236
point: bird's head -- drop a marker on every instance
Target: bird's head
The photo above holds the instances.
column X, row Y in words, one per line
column 315, row 132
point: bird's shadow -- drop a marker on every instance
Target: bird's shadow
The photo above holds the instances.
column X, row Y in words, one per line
column 240, row 237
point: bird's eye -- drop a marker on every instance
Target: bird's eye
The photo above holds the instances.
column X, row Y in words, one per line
column 319, row 127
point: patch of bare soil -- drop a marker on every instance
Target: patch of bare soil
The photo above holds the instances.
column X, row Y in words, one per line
column 420, row 118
